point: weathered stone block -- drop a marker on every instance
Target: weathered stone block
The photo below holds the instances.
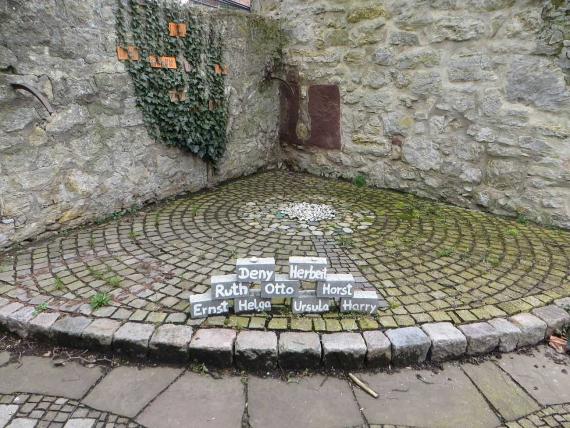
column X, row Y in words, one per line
column 564, row 303
column 204, row 305
column 308, row 268
column 255, row 269
column 343, row 350
column 299, row 350
column 471, row 66
column 555, row 317
column 457, row 28
column 40, row 326
column 336, row 286
column 536, row 80
column 422, row 153
column 68, row 330
column 447, row 342
column 228, row 287
column 170, row 342
column 481, row 338
column 403, row 38
column 363, row 301
column 256, row 350
column 8, row 309
column 308, row 302
column 509, row 334
column 418, row 57
column 281, row 286
column 99, row 334
column 378, row 349
column 213, row 346
column 533, row 329
column 17, row 322
column 410, row 345
column 133, row 338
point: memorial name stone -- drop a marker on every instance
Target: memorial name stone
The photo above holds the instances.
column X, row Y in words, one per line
column 282, row 286
column 336, row 286
column 203, row 305
column 308, row 268
column 362, row 301
column 308, row 303
column 236, row 287
column 228, row 287
column 255, row 269
column 252, row 303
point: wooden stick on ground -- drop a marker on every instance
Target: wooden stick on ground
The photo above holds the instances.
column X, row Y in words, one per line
column 362, row 385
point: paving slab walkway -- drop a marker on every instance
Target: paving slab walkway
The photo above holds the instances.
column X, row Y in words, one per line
column 516, row 390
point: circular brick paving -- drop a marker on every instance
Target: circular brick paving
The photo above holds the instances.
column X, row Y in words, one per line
column 45, row 411
column 430, row 261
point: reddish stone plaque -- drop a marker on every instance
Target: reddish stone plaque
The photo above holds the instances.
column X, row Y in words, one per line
column 154, row 61
column 168, row 61
column 182, row 29
column 324, row 111
column 133, row 53
column 122, row 54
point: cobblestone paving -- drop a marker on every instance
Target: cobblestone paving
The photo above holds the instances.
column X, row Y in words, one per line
column 430, row 261
column 44, row 411
column 551, row 416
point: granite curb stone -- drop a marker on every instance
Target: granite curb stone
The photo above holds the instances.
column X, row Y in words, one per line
column 8, row 309
column 299, row 350
column 170, row 342
column 563, row 303
column 40, row 326
column 509, row 334
column 68, row 330
column 447, row 342
column 133, row 338
column 481, row 337
column 213, row 346
column 378, row 349
column 99, row 334
column 256, row 350
column 533, row 329
column 17, row 322
column 554, row 316
column 410, row 345
column 345, row 350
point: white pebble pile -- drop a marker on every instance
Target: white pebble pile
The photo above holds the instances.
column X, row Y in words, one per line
column 308, row 212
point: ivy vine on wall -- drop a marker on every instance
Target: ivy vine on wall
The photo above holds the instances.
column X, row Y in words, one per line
column 186, row 106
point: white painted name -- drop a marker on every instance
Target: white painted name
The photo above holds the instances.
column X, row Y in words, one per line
column 330, row 290
column 349, row 305
column 249, row 274
column 307, row 274
column 282, row 286
column 252, row 304
column 303, row 306
column 205, row 309
column 363, row 301
column 222, row 291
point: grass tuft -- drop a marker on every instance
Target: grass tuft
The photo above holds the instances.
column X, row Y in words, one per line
column 99, row 300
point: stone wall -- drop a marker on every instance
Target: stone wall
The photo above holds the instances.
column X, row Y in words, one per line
column 462, row 100
column 93, row 156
